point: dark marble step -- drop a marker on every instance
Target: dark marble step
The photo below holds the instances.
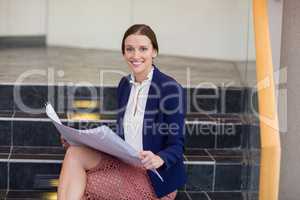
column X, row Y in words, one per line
column 32, row 168
column 202, row 131
column 219, row 156
column 48, row 195
column 217, row 196
column 221, row 118
column 191, row 155
column 190, row 117
column 29, row 98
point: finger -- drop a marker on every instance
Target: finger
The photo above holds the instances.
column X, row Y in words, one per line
column 145, row 153
column 63, row 141
column 65, row 144
column 146, row 159
column 150, row 166
column 153, row 163
column 141, row 155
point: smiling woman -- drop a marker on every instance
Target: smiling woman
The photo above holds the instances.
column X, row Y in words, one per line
column 139, row 53
column 147, row 100
column 139, row 47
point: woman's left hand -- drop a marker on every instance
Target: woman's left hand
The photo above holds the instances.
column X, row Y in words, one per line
column 150, row 160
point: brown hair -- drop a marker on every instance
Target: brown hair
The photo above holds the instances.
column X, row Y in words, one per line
column 140, row 29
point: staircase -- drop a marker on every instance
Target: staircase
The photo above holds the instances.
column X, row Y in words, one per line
column 221, row 149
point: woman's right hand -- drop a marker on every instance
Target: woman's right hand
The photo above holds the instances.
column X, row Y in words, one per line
column 64, row 143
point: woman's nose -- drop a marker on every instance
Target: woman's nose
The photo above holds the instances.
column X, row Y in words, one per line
column 136, row 54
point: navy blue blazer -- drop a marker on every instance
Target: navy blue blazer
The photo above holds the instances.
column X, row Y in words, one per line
column 163, row 128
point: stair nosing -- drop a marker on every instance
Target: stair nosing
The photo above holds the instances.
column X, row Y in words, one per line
column 187, row 122
column 43, row 161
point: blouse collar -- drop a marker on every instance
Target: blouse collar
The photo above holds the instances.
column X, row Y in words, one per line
column 149, row 78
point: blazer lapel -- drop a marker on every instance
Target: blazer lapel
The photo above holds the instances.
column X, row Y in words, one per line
column 123, row 103
column 151, row 110
column 152, row 107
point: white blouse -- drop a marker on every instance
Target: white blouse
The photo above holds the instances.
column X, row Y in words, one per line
column 134, row 114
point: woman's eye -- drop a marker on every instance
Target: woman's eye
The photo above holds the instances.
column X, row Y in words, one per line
column 129, row 49
column 144, row 49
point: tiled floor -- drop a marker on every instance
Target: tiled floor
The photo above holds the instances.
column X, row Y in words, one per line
column 57, row 65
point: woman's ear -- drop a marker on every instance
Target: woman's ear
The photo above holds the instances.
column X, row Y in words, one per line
column 154, row 54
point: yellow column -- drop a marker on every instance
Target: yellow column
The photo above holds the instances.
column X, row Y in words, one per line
column 270, row 139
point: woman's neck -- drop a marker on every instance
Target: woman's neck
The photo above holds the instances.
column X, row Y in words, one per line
column 142, row 76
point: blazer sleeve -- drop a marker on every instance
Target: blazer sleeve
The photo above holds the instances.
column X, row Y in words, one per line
column 119, row 106
column 119, row 90
column 173, row 107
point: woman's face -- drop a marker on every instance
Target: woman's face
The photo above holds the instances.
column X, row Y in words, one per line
column 139, row 53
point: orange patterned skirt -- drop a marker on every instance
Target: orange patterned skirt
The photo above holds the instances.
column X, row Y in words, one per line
column 113, row 179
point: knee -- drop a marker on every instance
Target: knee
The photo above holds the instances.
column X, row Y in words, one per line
column 83, row 156
column 73, row 154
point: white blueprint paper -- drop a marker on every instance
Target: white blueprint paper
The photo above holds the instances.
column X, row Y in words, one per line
column 101, row 138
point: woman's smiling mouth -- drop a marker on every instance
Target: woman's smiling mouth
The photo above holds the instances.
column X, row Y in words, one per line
column 136, row 63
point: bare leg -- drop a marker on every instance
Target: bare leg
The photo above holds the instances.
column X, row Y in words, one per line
column 72, row 179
